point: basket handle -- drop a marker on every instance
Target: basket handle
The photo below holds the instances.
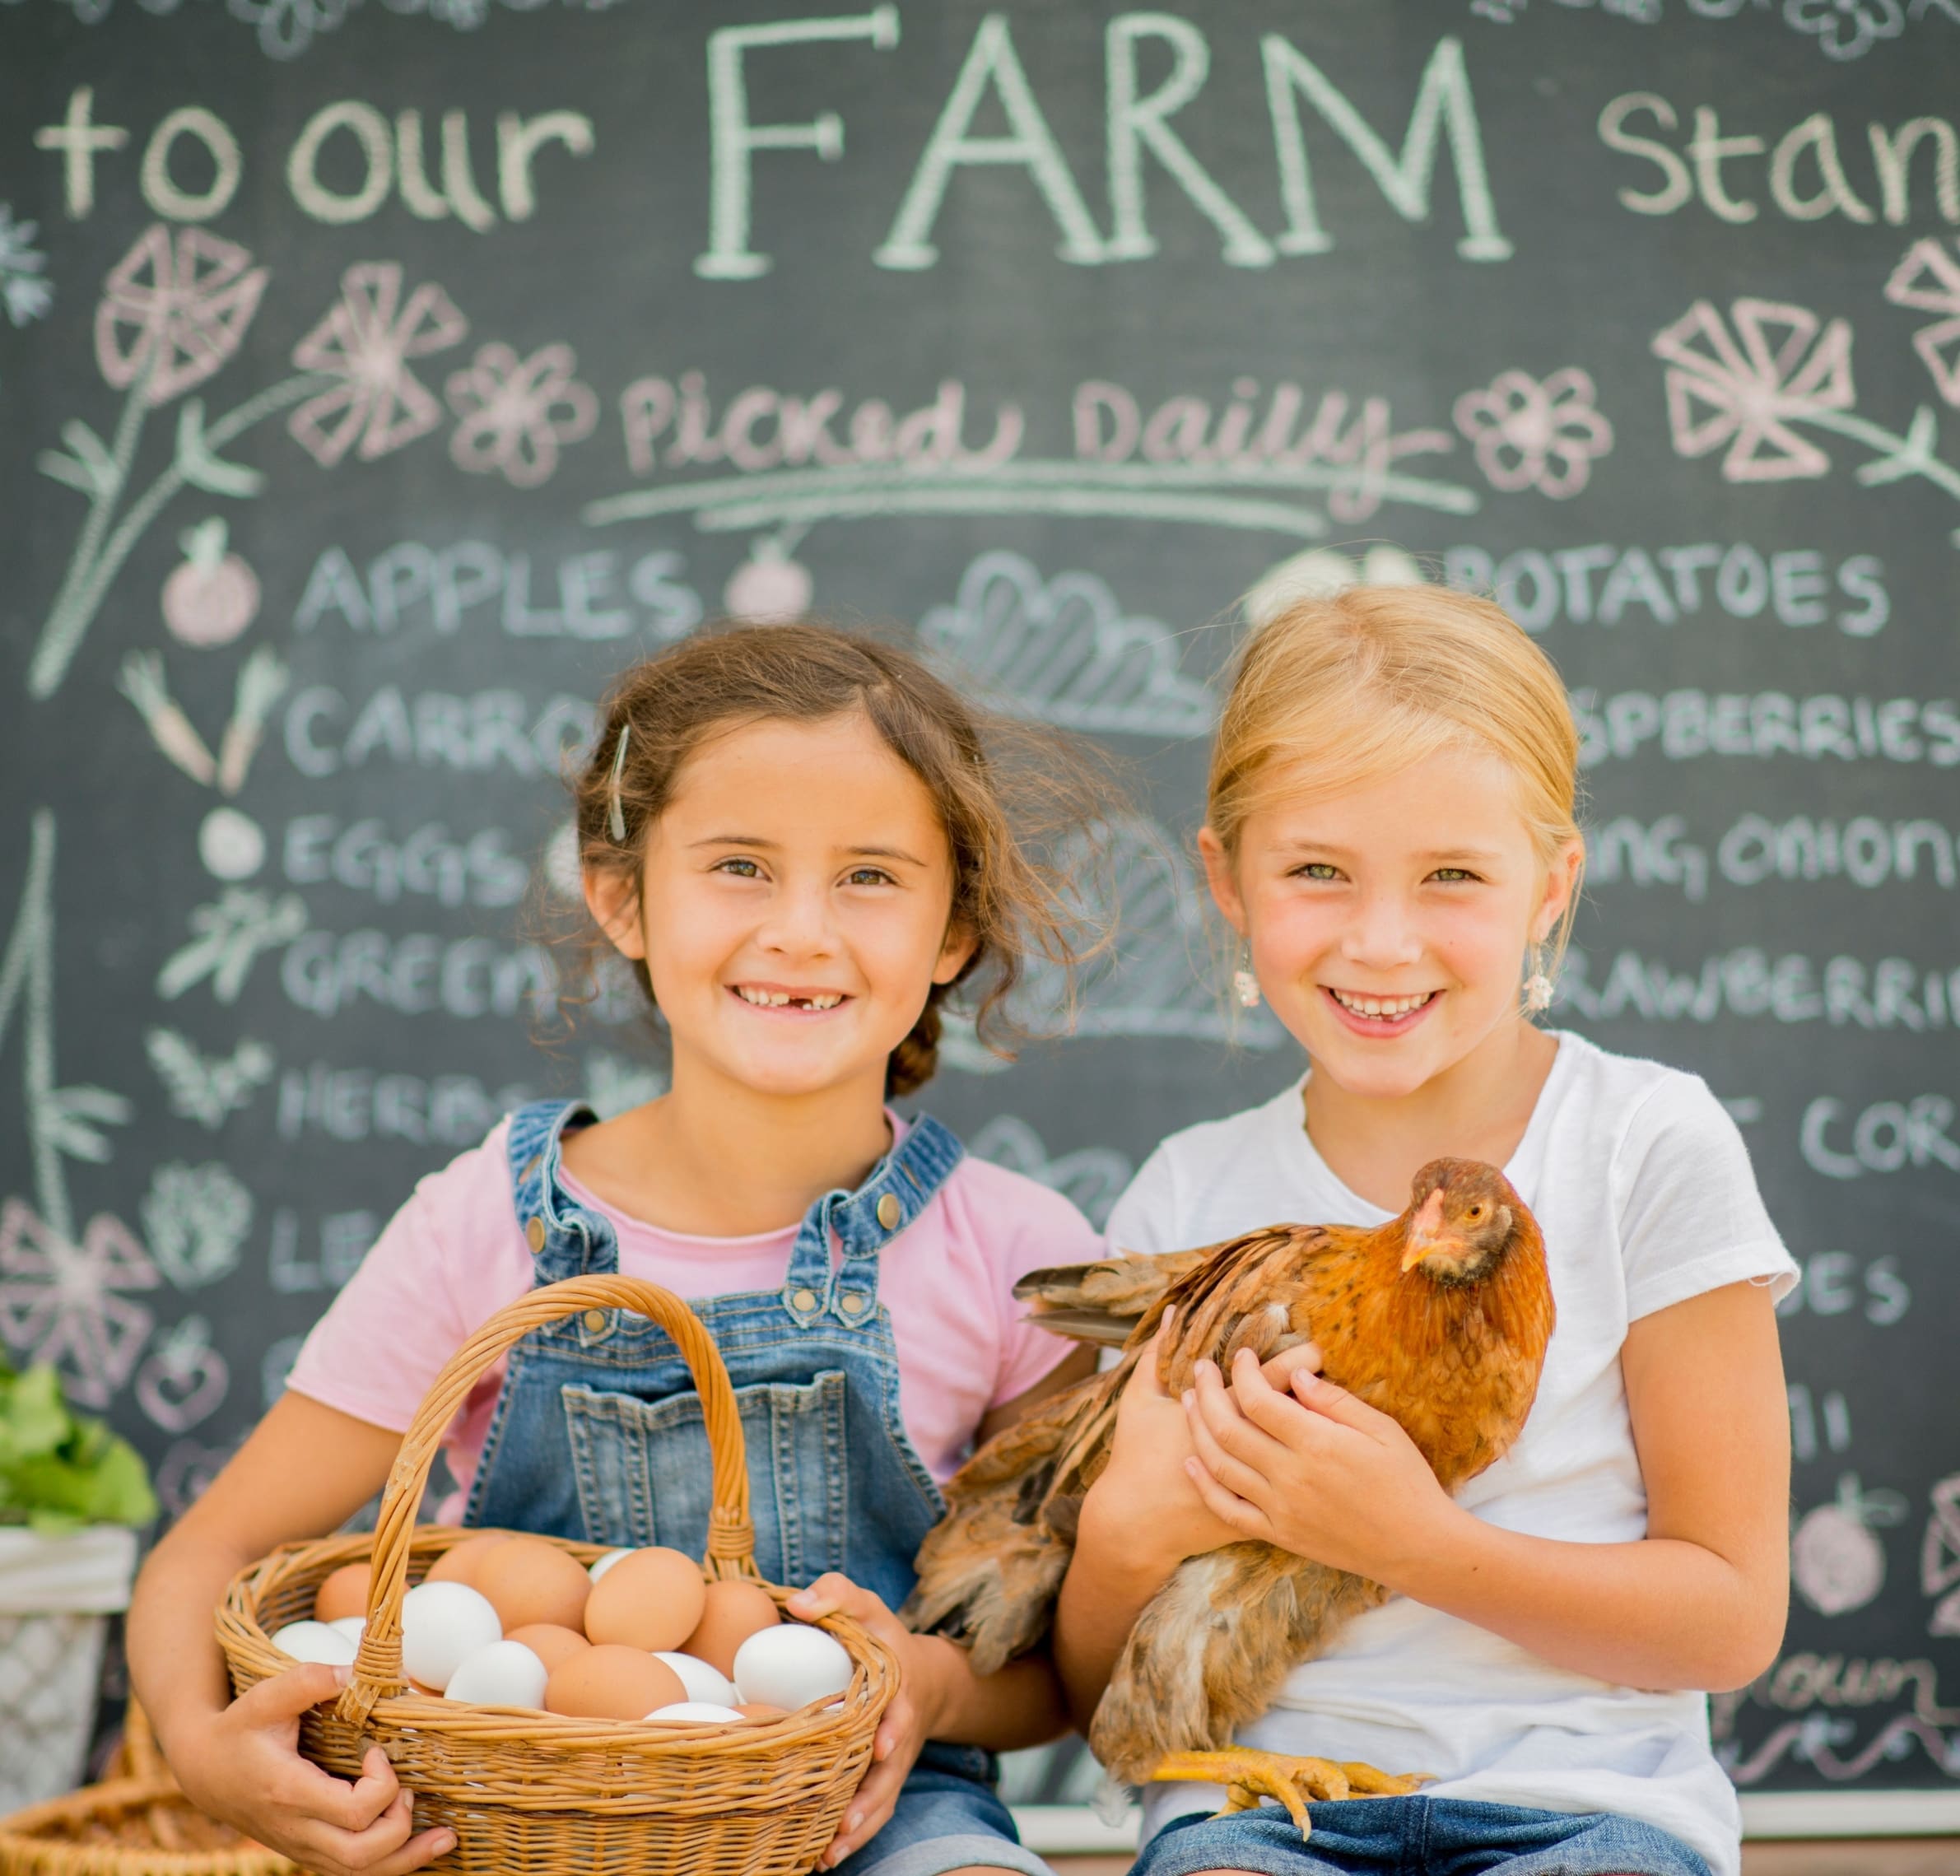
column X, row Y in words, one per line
column 377, row 1669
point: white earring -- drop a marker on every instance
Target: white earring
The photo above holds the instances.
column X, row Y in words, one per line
column 1245, row 986
column 1537, row 986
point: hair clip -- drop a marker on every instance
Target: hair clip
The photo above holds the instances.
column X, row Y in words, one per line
column 616, row 819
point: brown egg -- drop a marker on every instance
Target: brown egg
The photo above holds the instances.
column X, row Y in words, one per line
column 342, row 1593
column 527, row 1580
column 612, row 1682
column 651, row 1600
column 761, row 1710
column 731, row 1612
column 461, row 1561
column 552, row 1645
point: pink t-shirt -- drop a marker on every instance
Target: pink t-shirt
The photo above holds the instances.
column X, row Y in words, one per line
column 454, row 1255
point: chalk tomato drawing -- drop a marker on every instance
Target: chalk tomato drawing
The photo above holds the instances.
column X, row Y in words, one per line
column 69, row 1303
column 183, row 1381
column 213, row 595
column 365, row 340
column 516, row 413
column 1781, row 365
column 175, row 309
column 768, row 589
column 1928, row 277
column 1533, row 433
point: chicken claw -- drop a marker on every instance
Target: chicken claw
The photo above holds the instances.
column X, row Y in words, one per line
column 1249, row 1775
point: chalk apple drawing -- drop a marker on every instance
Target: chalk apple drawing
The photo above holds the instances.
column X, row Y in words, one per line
column 769, row 589
column 1835, row 1562
column 213, row 596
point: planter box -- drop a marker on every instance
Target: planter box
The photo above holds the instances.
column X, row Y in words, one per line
column 55, row 1596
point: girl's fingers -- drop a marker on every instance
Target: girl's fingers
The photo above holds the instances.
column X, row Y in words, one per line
column 285, row 1696
column 415, row 1853
column 1234, row 1474
column 1220, row 1412
column 1280, row 1371
column 1275, row 1414
column 1229, row 1509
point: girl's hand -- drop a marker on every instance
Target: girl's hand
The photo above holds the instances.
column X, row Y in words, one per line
column 908, row 1721
column 245, row 1768
column 1315, row 1471
column 1148, row 1490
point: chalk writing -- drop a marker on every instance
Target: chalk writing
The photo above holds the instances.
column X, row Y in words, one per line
column 1866, row 851
column 479, row 871
column 1884, row 1137
column 476, row 734
column 1831, row 1284
column 1805, row 1414
column 26, row 294
column 1063, row 651
column 207, row 1089
column 183, row 1381
column 353, row 1104
column 195, row 1221
column 1749, row 982
column 1929, row 278
column 415, row 973
column 1646, row 854
column 344, row 1239
column 1541, row 590
column 1684, row 725
column 1533, row 434
column 1093, row 1177
column 1837, row 1564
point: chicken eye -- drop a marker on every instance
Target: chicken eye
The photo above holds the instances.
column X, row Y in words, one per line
column 1474, row 1212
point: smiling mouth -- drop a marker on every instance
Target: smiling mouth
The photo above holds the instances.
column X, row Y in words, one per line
column 763, row 997
column 1381, row 1009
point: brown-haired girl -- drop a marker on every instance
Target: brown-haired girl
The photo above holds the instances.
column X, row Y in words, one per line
column 1391, row 835
column 799, row 840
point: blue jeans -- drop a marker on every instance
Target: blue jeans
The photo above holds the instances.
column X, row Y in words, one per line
column 1418, row 1837
column 947, row 1816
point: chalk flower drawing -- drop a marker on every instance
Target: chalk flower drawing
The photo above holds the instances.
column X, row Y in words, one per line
column 1940, row 1557
column 1928, row 278
column 1534, row 433
column 516, row 412
column 26, row 292
column 196, row 1219
column 230, row 934
column 1847, row 29
column 1063, row 651
column 365, row 340
column 174, row 310
column 68, row 1303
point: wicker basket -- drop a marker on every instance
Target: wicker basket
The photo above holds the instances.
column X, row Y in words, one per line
column 532, row 1791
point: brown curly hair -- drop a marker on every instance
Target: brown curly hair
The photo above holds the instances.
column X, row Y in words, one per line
column 1004, row 793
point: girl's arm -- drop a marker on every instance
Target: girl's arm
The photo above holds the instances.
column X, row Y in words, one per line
column 304, row 1470
column 1698, row 1603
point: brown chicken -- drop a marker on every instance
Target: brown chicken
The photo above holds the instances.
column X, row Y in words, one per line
column 1439, row 1318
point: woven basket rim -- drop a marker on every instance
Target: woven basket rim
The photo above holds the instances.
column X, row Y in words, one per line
column 22, row 1840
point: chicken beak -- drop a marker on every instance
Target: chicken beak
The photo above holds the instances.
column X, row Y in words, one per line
column 1425, row 1230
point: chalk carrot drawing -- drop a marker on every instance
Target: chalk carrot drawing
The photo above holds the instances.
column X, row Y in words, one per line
column 1062, row 650
column 26, row 294
column 261, row 683
column 1747, row 381
column 515, row 414
column 1533, row 433
column 1928, row 278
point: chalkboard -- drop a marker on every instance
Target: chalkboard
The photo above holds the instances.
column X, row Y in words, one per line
column 377, row 376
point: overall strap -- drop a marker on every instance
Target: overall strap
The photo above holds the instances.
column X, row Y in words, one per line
column 900, row 1186
column 565, row 1239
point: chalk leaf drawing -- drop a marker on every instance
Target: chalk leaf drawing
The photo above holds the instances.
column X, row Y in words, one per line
column 173, row 310
column 514, row 414
column 1093, row 1177
column 1834, row 1562
column 207, row 1089
column 230, row 933
column 1928, row 278
column 1319, row 572
column 1940, row 1557
column 1063, row 651
column 184, row 1379
column 365, row 340
column 68, row 1302
column 26, row 294
column 196, row 1219
column 1536, row 433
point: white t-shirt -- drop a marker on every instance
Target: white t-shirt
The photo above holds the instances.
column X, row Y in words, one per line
column 1642, row 1187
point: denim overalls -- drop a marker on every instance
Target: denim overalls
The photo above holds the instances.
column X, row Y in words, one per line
column 598, row 1433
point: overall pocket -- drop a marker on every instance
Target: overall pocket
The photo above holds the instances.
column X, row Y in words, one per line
column 644, row 1477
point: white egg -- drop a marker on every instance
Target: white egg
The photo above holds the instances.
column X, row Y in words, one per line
column 442, row 1623
column 315, row 1641
column 702, row 1680
column 353, row 1627
column 600, row 1565
column 505, row 1673
column 790, row 1666
column 696, row 1713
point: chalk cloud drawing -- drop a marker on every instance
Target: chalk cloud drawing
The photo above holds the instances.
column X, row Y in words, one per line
column 1063, row 651
column 1835, row 1562
column 1928, row 278
column 26, row 294
column 1319, row 572
column 231, row 934
column 1093, row 1177
column 1940, row 1556
column 184, row 1380
column 207, row 1089
column 1536, row 433
column 613, row 1083
column 68, row 1302
column 196, row 1219
column 213, row 595
column 365, row 340
column 514, row 414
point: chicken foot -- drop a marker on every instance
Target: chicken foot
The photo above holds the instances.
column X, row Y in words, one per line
column 1249, row 1775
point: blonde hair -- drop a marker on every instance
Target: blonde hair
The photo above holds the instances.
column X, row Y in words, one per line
column 1336, row 690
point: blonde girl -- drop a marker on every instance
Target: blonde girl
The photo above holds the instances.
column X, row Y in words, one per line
column 801, row 844
column 1391, row 834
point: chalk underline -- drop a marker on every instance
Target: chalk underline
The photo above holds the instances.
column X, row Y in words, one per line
column 1170, row 492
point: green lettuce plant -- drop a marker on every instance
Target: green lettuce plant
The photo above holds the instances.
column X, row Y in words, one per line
column 59, row 1471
